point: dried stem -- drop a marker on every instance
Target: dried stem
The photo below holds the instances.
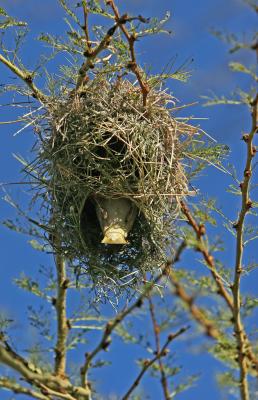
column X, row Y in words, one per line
column 156, row 330
column 242, row 346
column 133, row 66
column 148, row 363
column 26, row 76
column 112, row 324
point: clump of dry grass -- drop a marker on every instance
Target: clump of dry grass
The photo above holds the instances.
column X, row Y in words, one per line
column 103, row 142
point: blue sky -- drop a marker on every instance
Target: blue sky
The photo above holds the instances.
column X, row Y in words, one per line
column 191, row 22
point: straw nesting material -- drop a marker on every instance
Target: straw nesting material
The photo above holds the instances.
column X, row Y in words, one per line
column 103, row 143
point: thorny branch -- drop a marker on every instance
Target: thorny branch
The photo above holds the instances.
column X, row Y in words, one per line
column 156, row 330
column 200, row 232
column 132, row 65
column 231, row 301
column 243, row 348
column 86, row 27
column 148, row 363
column 91, row 54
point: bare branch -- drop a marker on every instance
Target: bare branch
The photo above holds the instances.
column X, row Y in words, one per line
column 243, row 348
column 156, row 330
column 111, row 325
column 133, row 66
column 91, row 55
column 148, row 363
column 27, row 77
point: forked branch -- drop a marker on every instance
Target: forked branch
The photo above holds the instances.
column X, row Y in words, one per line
column 112, row 324
column 132, row 65
column 148, row 363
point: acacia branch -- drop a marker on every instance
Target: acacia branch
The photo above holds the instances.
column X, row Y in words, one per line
column 60, row 306
column 26, row 76
column 111, row 325
column 86, row 27
column 156, row 330
column 19, row 389
column 91, row 55
column 132, row 65
column 243, row 348
column 200, row 231
column 148, row 363
column 40, row 379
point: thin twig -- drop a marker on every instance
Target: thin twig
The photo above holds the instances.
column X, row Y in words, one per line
column 242, row 346
column 91, row 55
column 86, row 26
column 148, row 363
column 133, row 66
column 27, row 77
column 156, row 330
column 111, row 325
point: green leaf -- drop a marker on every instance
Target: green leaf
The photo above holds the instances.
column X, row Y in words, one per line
column 238, row 67
column 69, row 11
column 36, row 245
column 3, row 12
column 155, row 26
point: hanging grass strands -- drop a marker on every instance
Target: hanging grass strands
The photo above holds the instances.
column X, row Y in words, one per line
column 115, row 175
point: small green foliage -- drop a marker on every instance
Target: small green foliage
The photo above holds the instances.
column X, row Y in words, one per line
column 228, row 381
column 28, row 284
column 238, row 67
column 40, row 319
column 124, row 331
column 225, row 351
column 6, row 21
column 36, row 245
column 5, row 323
column 155, row 26
column 249, row 304
column 187, row 384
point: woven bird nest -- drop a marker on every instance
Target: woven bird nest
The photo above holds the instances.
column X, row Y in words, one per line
column 103, row 144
